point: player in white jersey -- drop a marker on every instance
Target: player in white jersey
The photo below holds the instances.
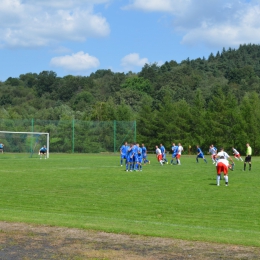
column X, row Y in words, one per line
column 223, row 154
column 159, row 155
column 180, row 150
column 213, row 152
column 237, row 154
column 222, row 166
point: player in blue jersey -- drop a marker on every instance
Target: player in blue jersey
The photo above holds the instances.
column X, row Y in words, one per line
column 139, row 158
column 162, row 148
column 1, row 147
column 200, row 155
column 123, row 151
column 43, row 151
column 135, row 164
column 130, row 158
column 144, row 152
column 175, row 149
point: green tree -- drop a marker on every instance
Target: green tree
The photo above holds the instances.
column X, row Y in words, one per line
column 45, row 81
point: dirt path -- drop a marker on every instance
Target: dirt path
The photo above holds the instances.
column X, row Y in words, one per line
column 30, row 242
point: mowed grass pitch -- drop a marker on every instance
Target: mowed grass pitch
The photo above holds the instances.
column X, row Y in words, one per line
column 93, row 192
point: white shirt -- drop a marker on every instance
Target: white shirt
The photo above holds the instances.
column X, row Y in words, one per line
column 212, row 150
column 180, row 149
column 158, row 151
column 224, row 161
column 235, row 151
column 222, row 153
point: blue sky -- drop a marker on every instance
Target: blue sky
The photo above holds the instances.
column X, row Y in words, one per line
column 78, row 37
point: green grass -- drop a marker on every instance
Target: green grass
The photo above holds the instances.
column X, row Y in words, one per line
column 94, row 192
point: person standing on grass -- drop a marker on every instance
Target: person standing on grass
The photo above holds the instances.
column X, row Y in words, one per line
column 43, row 151
column 162, row 148
column 1, row 147
column 139, row 158
column 129, row 158
column 174, row 152
column 222, row 165
column 248, row 156
column 135, row 164
column 159, row 155
column 213, row 152
column 200, row 154
column 180, row 150
column 144, row 152
column 123, row 151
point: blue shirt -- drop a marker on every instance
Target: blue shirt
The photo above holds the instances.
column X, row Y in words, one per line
column 199, row 151
column 162, row 149
column 139, row 152
column 135, row 149
column 175, row 149
column 43, row 149
column 124, row 149
column 130, row 152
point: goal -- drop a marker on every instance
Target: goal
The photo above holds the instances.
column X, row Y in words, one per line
column 24, row 142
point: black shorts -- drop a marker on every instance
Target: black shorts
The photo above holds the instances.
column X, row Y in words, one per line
column 42, row 152
column 248, row 158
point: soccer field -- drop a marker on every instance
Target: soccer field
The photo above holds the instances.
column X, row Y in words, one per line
column 93, row 192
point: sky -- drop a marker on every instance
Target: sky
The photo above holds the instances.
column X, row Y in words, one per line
column 78, row 37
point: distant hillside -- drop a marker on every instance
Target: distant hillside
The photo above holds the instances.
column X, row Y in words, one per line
column 207, row 100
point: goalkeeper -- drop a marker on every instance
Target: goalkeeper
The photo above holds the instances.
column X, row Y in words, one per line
column 43, row 151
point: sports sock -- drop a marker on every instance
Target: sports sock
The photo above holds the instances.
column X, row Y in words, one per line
column 161, row 162
column 218, row 179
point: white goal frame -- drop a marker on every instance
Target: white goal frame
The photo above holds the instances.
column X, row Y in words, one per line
column 39, row 133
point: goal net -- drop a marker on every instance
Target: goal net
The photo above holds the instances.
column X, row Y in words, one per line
column 24, row 142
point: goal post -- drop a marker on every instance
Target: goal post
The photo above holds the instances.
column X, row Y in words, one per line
column 24, row 142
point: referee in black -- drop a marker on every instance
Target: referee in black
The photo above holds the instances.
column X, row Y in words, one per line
column 248, row 156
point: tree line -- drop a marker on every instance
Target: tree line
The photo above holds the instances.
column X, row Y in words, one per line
column 204, row 101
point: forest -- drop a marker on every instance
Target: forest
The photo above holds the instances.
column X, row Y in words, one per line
column 213, row 100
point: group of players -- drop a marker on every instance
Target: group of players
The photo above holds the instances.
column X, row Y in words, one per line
column 135, row 156
column 221, row 159
column 176, row 154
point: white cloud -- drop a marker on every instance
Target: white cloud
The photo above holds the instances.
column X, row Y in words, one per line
column 158, row 6
column 79, row 61
column 41, row 23
column 214, row 23
column 132, row 60
column 242, row 26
